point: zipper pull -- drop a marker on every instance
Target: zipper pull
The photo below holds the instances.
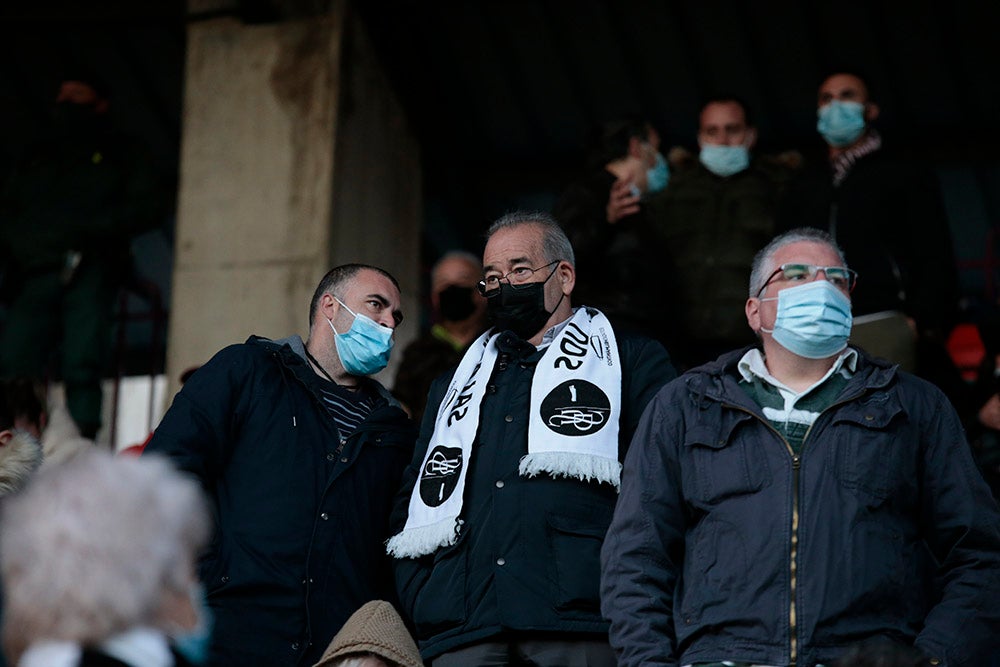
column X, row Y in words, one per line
column 796, row 461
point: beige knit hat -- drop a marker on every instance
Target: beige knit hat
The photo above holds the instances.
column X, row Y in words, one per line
column 375, row 628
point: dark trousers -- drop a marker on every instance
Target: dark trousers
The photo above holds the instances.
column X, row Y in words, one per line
column 75, row 318
column 531, row 653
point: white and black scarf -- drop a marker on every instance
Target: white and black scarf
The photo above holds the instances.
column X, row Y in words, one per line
column 572, row 428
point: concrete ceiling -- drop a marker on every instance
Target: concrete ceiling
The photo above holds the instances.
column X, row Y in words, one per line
column 504, row 95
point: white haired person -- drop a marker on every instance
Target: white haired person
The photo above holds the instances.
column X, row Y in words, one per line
column 20, row 451
column 98, row 564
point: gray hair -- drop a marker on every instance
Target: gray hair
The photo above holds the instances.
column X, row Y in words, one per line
column 90, row 547
column 19, row 459
column 555, row 243
column 763, row 261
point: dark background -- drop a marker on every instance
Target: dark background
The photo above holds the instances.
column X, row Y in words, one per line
column 503, row 96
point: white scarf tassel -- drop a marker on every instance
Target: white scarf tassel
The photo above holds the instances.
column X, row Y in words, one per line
column 585, row 467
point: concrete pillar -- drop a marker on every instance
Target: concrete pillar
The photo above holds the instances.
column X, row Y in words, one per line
column 295, row 157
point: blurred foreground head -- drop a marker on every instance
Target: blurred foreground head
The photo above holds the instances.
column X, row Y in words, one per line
column 97, row 546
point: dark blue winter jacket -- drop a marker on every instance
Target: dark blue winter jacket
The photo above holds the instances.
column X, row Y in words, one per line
column 726, row 546
column 302, row 512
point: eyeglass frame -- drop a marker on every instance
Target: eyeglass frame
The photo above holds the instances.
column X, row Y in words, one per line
column 813, row 270
column 490, row 293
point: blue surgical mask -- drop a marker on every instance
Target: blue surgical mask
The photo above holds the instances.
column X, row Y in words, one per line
column 841, row 123
column 657, row 176
column 194, row 644
column 814, row 320
column 724, row 160
column 364, row 348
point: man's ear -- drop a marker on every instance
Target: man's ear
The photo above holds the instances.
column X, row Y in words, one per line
column 5, row 436
column 871, row 112
column 328, row 305
column 567, row 276
column 751, row 139
column 752, row 310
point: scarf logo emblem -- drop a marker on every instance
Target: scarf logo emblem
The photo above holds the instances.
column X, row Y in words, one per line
column 576, row 407
column 440, row 475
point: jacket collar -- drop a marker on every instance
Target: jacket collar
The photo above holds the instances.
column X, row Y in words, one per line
column 292, row 353
column 717, row 380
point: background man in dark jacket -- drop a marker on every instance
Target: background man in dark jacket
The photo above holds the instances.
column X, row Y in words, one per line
column 784, row 502
column 605, row 219
column 301, row 455
column 524, row 442
column 707, row 225
column 68, row 214
column 459, row 312
column 885, row 210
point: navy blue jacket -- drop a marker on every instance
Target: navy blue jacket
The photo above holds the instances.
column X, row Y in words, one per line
column 725, row 546
column 528, row 557
column 302, row 513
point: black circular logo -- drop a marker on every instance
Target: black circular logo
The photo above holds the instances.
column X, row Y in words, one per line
column 576, row 407
column 440, row 475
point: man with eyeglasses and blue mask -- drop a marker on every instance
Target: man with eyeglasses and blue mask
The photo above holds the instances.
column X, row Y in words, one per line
column 301, row 454
column 886, row 212
column 516, row 471
column 787, row 501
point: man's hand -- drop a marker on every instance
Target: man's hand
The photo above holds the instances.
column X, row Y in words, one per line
column 621, row 202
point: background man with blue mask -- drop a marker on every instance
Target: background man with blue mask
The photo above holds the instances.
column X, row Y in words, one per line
column 715, row 213
column 605, row 217
column 301, row 454
column 789, row 500
column 886, row 212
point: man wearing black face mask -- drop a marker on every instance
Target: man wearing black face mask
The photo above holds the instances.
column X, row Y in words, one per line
column 460, row 316
column 69, row 211
column 514, row 478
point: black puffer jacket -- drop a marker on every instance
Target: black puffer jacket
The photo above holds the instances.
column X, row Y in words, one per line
column 302, row 513
column 528, row 558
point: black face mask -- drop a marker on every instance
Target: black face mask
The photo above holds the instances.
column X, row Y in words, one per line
column 456, row 303
column 520, row 311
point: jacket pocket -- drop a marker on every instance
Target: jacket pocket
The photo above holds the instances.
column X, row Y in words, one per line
column 716, row 568
column 441, row 603
column 722, row 465
column 575, row 557
column 867, row 455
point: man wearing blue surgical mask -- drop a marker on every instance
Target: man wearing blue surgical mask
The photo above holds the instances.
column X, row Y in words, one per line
column 791, row 499
column 717, row 210
column 301, row 453
column 605, row 217
column 887, row 213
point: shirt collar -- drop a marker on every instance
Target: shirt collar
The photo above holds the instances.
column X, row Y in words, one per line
column 751, row 366
column 553, row 331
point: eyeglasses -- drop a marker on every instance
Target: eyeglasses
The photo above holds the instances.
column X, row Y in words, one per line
column 841, row 277
column 517, row 278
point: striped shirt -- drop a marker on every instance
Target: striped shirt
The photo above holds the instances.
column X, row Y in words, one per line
column 347, row 408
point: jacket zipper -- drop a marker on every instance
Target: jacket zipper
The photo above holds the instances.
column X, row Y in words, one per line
column 793, row 543
column 793, row 641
